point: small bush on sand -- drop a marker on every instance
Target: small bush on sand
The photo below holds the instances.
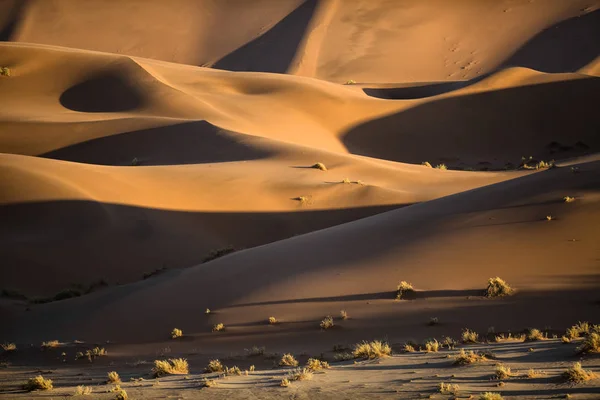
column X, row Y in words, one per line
column 176, row 333
column 404, row 289
column 409, row 348
column 255, row 351
column 469, row 336
column 490, row 396
column 426, row 164
column 218, row 327
column 591, row 344
column 502, row 372
column 301, row 199
column 578, row 330
column 314, row 364
column 497, row 287
column 468, row 357
column 327, row 322
column 568, row 199
column 50, row 344
column 300, row 374
column 113, row 377
column 210, row 383
column 288, row 360
column 38, row 383
column 83, row 390
column 214, row 366
column 319, row 166
column 233, row 370
column 449, row 343
column 219, row 253
column 8, row 346
column 534, row 373
column 449, row 388
column 172, row 366
column 272, row 320
column 121, row 394
column 433, row 321
column 370, row 350
column 343, row 314
column 207, row 311
column 350, row 82
column 4, row 71
column 432, row 346
column 285, row 382
column 577, row 374
column 534, row 335
column 441, row 166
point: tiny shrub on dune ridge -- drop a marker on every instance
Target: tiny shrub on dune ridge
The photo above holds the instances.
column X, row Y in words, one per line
column 38, row 383
column 219, row 253
column 497, row 287
column 371, row 350
column 8, row 347
column 404, row 289
column 534, row 335
column 319, row 166
column 176, row 333
column 327, row 322
column 113, row 377
column 172, row 366
column 314, row 364
column 288, row 360
column 4, row 71
column 214, row 366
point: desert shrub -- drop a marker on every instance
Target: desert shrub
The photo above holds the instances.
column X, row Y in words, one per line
column 300, row 374
column 8, row 346
column 344, row 356
column 50, row 344
column 468, row 357
column 502, row 372
column 327, row 322
column 285, row 382
column 176, row 333
column 449, row 388
column 4, row 71
column 314, row 364
column 497, row 287
column 404, row 289
column 426, row 164
column 577, row 374
column 532, row 373
column 490, row 396
column 218, row 327
column 214, row 366
column 156, row 272
column 519, row 337
column 210, row 383
column 121, row 394
column 469, row 336
column 591, row 344
column 320, row 166
column 273, row 320
column 370, row 350
column 38, row 383
column 350, row 82
column 409, row 348
column 219, row 253
column 301, row 199
column 255, row 351
column 578, row 330
column 172, row 366
column 113, row 377
column 343, row 314
column 449, row 343
column 252, row 368
column 432, row 346
column 441, row 166
column 568, row 199
column 207, row 311
column 288, row 360
column 233, row 371
column 83, row 390
column 533, row 335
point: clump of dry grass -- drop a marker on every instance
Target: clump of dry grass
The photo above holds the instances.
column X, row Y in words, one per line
column 218, row 327
column 273, row 320
column 300, row 374
column 214, row 366
column 121, row 394
column 314, row 364
column 449, row 343
column 288, row 360
column 255, row 351
column 519, row 337
column 285, row 382
column 578, row 330
column 319, row 166
column 404, row 289
column 591, row 344
column 469, row 336
column 426, row 164
column 301, row 199
column 449, row 388
column 8, row 346
column 343, row 314
column 490, row 396
column 113, row 377
column 344, row 356
column 409, row 348
column 210, row 383
column 441, row 166
column 172, row 366
column 83, row 390
column 568, row 199
column 50, row 344
column 468, row 357
column 214, row 254
column 497, row 287
column 502, row 372
column 370, row 350
column 4, row 71
column 533, row 373
column 176, row 333
column 350, row 82
column 207, row 311
column 432, row 346
column 233, row 371
column 577, row 374
column 549, row 218
column 38, row 383
column 534, row 335
column 327, row 322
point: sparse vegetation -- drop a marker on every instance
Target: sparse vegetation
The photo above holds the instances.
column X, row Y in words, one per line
column 490, row 396
column 549, row 218
column 4, row 71
column 426, row 164
column 432, row 346
column 121, row 394
column 409, row 348
column 344, row 356
column 343, row 314
column 370, row 350
column 8, row 346
column 233, row 371
column 314, row 364
column 591, row 344
column 272, row 320
column 50, row 344
column 469, row 336
column 172, row 366
column 533, row 335
column 214, row 366
column 468, row 357
column 113, row 377
column 218, row 327
column 219, row 253
column 577, row 374
column 533, row 373
column 449, row 388
column 327, row 322
column 441, row 166
column 404, row 289
column 83, row 390
column 568, row 199
column 255, row 351
column 300, row 374
column 176, row 333
column 433, row 321
column 350, row 82
column 502, row 372
column 288, row 360
column 301, row 199
column 210, row 383
column 285, row 382
column 134, row 162
column 449, row 343
column 319, row 166
column 207, row 311
column 38, row 383
column 578, row 330
column 497, row 287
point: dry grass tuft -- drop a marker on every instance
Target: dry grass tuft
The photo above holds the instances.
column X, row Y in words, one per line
column 210, row 383
column 320, row 166
column 441, row 166
column 218, row 327
column 172, row 366
column 591, row 344
column 288, row 360
column 4, row 71
column 426, row 164
column 344, row 356
column 449, row 343
column 404, row 289
column 577, row 374
column 549, row 218
column 469, row 336
column 578, row 330
column 490, row 396
column 533, row 373
column 83, row 390
column 113, row 377
column 502, row 372
column 285, row 382
column 568, row 199
column 449, row 388
column 207, row 311
column 301, row 199
column 176, row 333
column 8, row 346
column 214, row 254
column 233, row 371
column 343, row 314
column 38, row 383
column 255, row 351
column 409, row 348
column 497, row 287
column 371, row 350
column 350, row 82
column 300, row 374
column 273, row 320
column 214, row 366
column 50, row 344
column 433, row 321
column 327, row 322
column 432, row 346
column 534, row 335
column 468, row 357
column 121, row 394
column 314, row 364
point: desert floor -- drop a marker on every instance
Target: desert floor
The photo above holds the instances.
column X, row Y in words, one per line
column 158, row 159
